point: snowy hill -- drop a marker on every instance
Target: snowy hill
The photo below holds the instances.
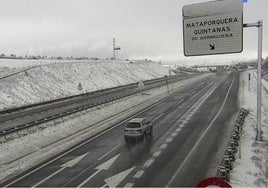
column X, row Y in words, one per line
column 61, row 79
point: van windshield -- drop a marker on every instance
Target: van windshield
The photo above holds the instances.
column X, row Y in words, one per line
column 133, row 125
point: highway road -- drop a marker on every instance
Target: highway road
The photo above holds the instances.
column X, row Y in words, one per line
column 24, row 116
column 189, row 128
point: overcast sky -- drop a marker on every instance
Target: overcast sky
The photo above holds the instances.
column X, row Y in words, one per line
column 143, row 28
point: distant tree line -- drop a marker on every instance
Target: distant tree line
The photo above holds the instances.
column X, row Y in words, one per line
column 14, row 56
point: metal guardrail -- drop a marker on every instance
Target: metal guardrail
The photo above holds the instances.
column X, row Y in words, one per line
column 153, row 84
column 44, row 120
column 170, row 79
column 232, row 148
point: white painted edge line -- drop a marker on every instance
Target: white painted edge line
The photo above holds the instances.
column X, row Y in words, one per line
column 157, row 153
column 80, row 145
column 139, row 174
column 163, row 146
column 169, row 139
column 174, row 134
column 199, row 140
column 129, row 185
column 188, row 118
column 178, row 129
column 148, row 163
column 157, row 117
column 108, row 152
column 180, row 126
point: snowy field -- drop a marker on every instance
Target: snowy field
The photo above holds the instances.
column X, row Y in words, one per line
column 251, row 169
column 53, row 80
column 24, row 152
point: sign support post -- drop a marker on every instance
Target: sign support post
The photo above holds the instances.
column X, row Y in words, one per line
column 258, row 24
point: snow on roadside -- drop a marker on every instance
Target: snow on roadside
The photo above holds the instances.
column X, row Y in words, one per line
column 24, row 152
column 57, row 80
column 251, row 169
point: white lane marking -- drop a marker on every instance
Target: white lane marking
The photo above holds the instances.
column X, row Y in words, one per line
column 90, row 177
column 199, row 140
column 108, row 152
column 63, row 166
column 163, row 146
column 138, row 174
column 104, row 166
column 157, row 117
column 184, row 122
column 78, row 146
column 42, row 181
column 188, row 118
column 178, row 129
column 114, row 180
column 180, row 101
column 148, row 163
column 129, row 185
column 174, row 134
column 169, row 139
column 157, row 153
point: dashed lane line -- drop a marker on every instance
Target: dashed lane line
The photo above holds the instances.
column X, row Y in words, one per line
column 129, row 185
column 173, row 134
column 148, row 163
column 199, row 140
column 139, row 174
column 157, row 117
column 157, row 153
column 169, row 139
column 109, row 152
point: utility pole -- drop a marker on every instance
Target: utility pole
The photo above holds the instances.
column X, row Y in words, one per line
column 259, row 25
column 113, row 48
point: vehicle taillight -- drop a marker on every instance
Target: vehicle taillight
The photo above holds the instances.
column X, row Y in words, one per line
column 139, row 131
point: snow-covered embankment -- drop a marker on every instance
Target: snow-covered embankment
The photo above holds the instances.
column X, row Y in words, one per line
column 251, row 169
column 57, row 80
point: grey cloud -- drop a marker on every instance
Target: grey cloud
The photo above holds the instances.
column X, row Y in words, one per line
column 143, row 28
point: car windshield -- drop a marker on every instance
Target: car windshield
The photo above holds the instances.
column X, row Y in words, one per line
column 133, row 125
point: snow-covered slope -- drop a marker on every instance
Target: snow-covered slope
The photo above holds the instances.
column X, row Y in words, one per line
column 251, row 166
column 52, row 81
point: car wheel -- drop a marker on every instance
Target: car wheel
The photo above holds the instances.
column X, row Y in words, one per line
column 143, row 136
column 151, row 131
